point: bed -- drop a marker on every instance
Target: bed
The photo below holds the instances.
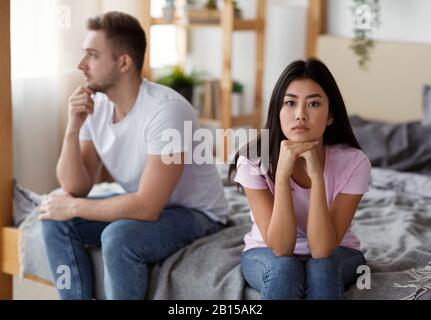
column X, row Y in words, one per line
column 393, row 220
column 393, row 223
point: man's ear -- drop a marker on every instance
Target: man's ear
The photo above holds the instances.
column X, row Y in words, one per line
column 126, row 63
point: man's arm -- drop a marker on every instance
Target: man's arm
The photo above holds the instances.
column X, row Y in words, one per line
column 157, row 183
column 79, row 163
column 78, row 166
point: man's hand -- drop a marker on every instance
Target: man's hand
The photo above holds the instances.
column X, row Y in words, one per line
column 81, row 104
column 58, row 208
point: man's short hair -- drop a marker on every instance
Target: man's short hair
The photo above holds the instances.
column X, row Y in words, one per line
column 125, row 34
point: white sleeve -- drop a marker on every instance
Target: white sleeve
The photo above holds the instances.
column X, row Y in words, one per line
column 170, row 131
column 84, row 133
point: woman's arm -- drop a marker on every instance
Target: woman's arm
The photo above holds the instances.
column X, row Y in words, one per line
column 326, row 227
column 321, row 232
column 275, row 217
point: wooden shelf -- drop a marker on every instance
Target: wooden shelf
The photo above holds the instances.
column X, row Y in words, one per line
column 238, row 25
column 209, row 121
column 247, row 119
column 237, row 121
column 158, row 21
column 245, row 25
column 228, row 24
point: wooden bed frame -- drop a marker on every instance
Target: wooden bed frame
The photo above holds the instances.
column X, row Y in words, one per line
column 9, row 236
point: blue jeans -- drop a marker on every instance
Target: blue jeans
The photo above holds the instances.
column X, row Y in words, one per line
column 291, row 278
column 128, row 247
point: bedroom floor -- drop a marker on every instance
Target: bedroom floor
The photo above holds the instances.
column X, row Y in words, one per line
column 29, row 290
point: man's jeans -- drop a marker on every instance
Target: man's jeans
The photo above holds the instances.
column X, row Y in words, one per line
column 128, row 247
column 289, row 278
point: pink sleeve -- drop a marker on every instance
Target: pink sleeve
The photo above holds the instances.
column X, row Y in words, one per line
column 248, row 175
column 359, row 178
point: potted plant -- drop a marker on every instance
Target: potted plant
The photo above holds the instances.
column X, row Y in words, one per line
column 181, row 82
column 169, row 11
column 204, row 13
column 237, row 10
column 366, row 15
column 211, row 4
column 237, row 98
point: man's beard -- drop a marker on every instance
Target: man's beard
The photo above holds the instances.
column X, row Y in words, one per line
column 106, row 85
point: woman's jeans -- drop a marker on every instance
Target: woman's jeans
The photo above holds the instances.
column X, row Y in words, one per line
column 289, row 277
column 128, row 247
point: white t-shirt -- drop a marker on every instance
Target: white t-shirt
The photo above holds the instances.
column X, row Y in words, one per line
column 123, row 147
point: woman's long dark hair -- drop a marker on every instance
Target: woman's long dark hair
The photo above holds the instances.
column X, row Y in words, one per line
column 339, row 132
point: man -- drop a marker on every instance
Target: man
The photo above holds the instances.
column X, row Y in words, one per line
column 118, row 119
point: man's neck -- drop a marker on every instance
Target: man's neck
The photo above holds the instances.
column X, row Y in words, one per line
column 124, row 96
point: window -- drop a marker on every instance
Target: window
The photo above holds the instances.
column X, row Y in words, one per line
column 34, row 31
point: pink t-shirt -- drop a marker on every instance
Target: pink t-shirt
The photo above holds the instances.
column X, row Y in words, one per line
column 347, row 170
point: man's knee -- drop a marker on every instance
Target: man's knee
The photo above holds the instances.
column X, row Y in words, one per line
column 51, row 229
column 118, row 236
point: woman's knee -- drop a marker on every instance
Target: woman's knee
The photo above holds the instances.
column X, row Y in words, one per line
column 334, row 261
column 324, row 279
column 266, row 260
column 284, row 262
column 283, row 279
column 284, row 267
column 317, row 270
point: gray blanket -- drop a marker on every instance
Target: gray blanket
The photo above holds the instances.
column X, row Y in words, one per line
column 404, row 146
column 393, row 223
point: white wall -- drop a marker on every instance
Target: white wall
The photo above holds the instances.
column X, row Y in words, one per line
column 285, row 40
column 401, row 20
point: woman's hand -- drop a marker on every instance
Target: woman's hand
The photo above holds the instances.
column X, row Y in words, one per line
column 313, row 168
column 289, row 152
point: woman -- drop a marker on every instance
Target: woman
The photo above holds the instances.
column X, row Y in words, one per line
column 301, row 244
